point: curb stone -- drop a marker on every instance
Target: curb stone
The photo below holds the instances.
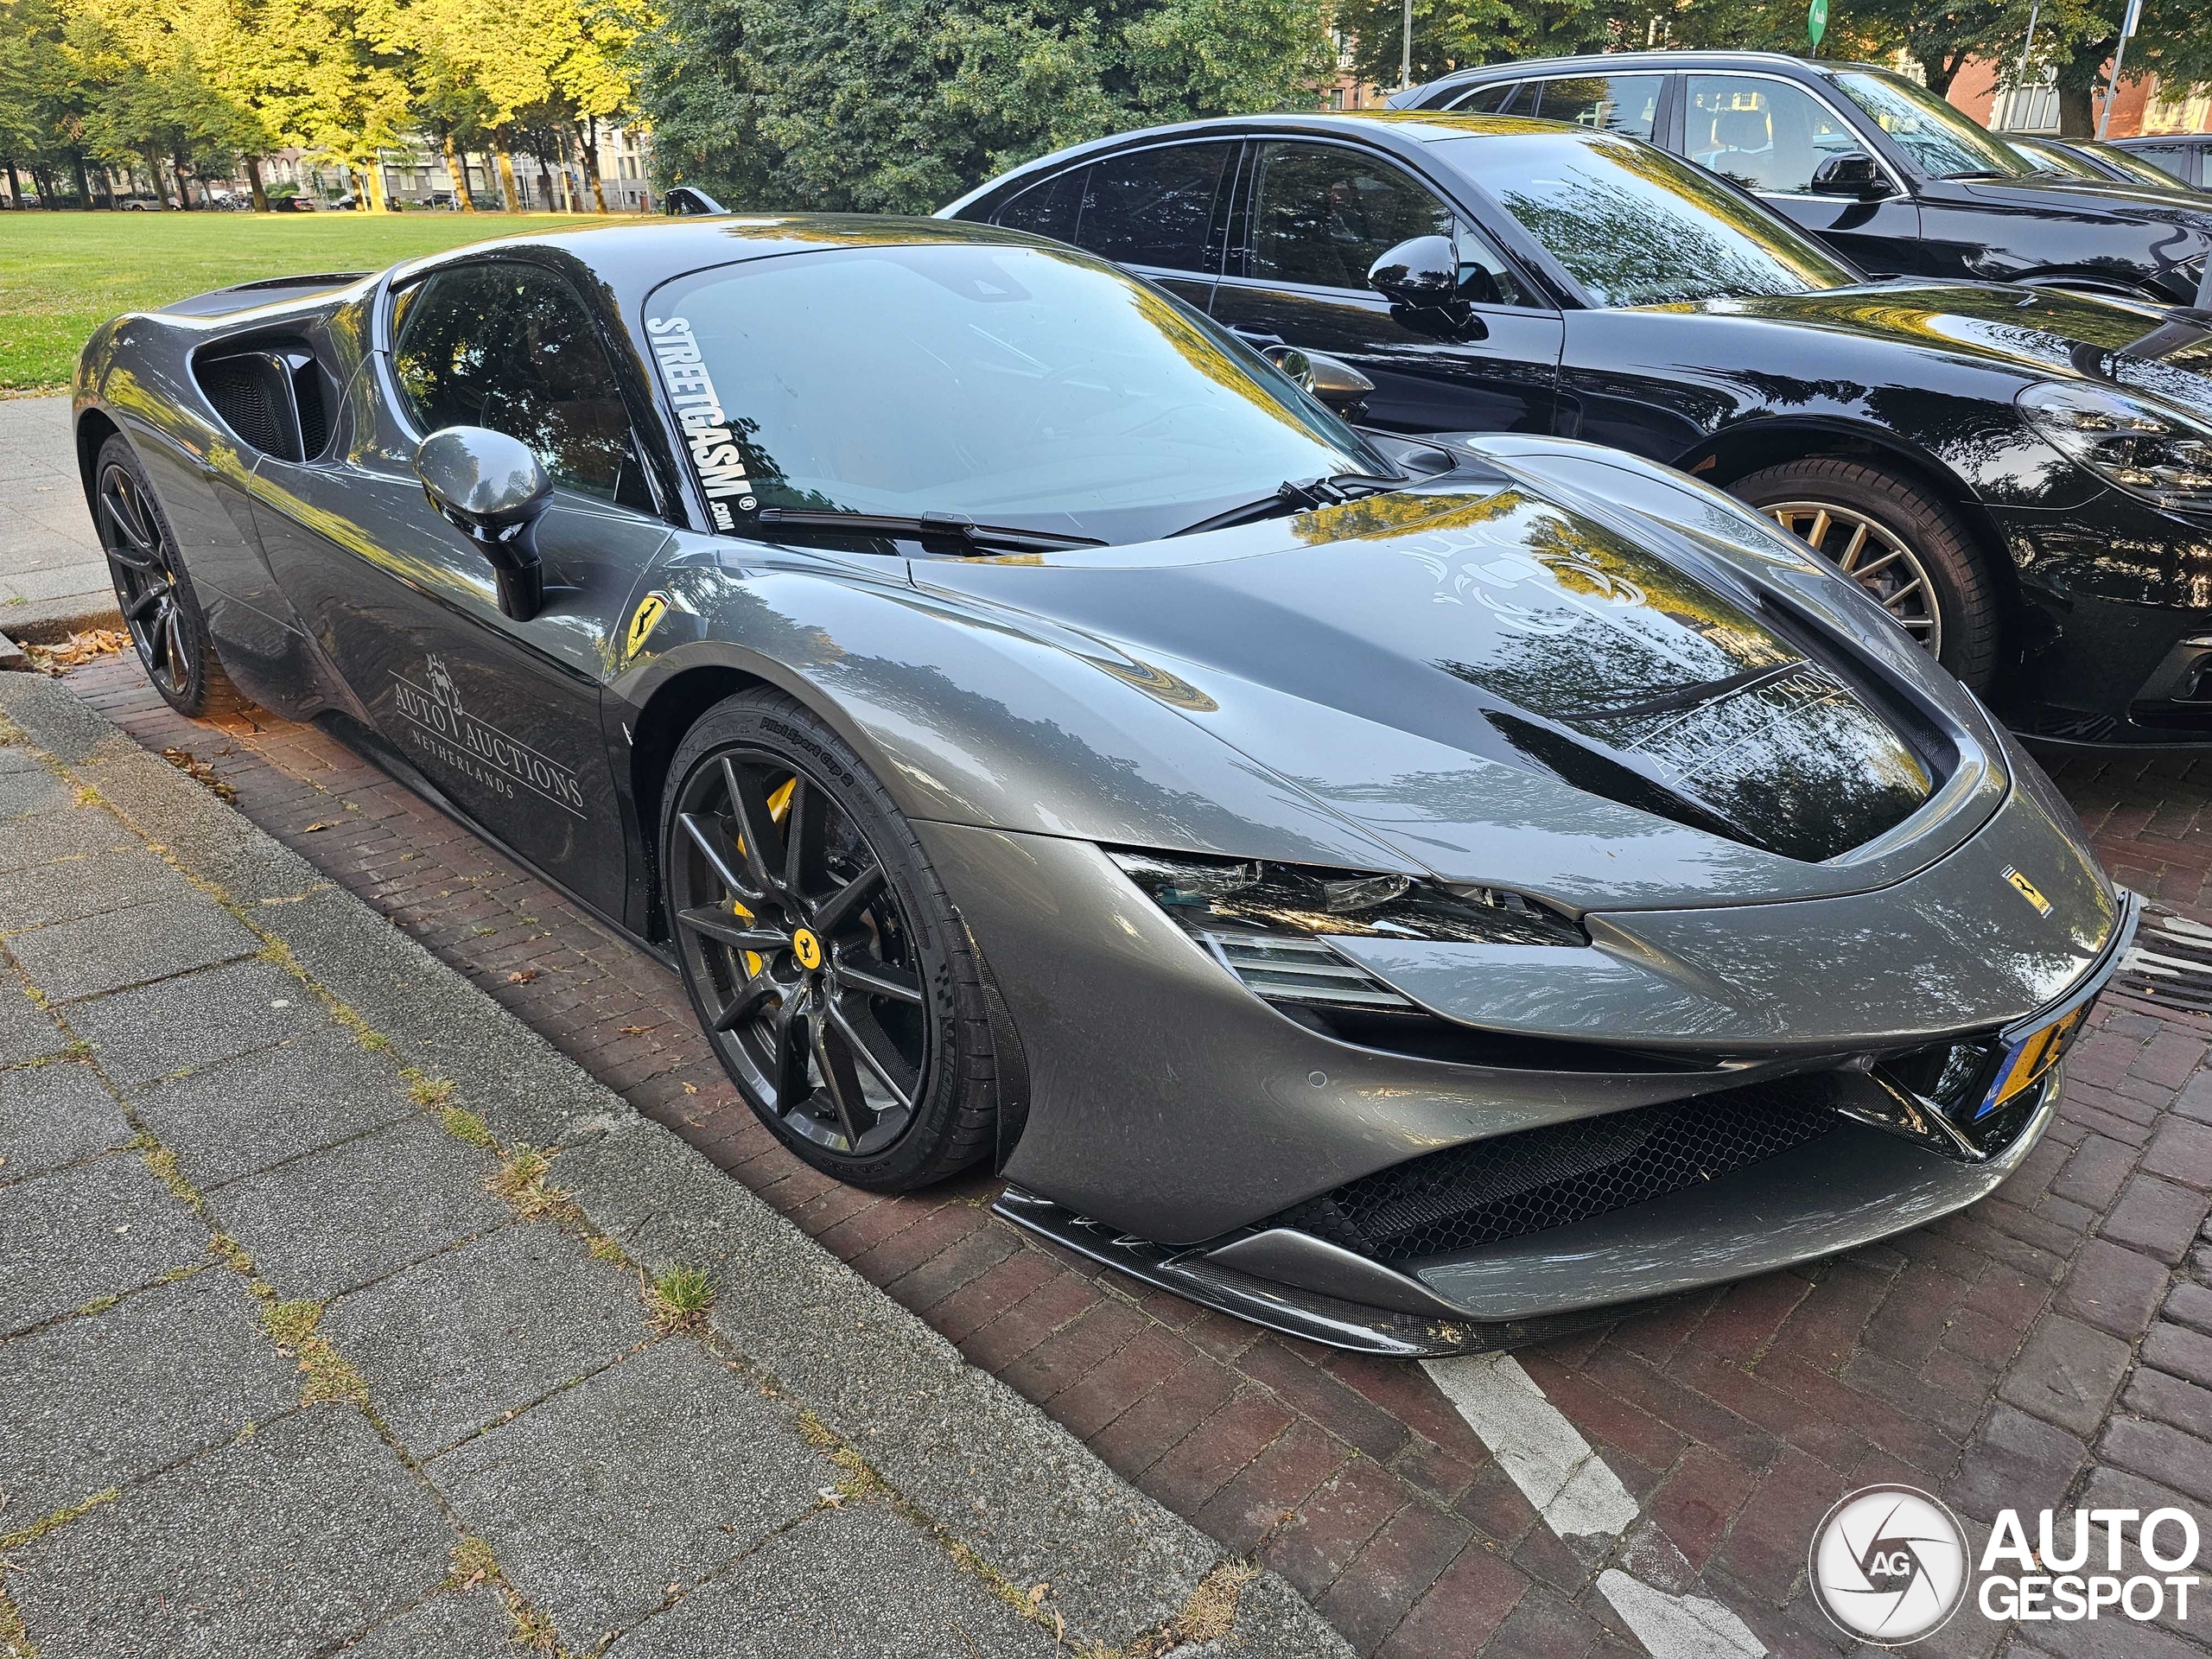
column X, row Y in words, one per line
column 988, row 1470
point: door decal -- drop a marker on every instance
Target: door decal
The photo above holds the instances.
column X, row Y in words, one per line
column 439, row 726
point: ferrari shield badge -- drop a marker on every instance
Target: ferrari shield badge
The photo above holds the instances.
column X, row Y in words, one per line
column 2027, row 890
column 643, row 621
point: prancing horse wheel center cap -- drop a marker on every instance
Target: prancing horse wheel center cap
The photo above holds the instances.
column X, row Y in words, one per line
column 807, row 949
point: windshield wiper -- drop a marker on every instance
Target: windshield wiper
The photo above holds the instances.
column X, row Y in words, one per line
column 1982, row 173
column 923, row 526
column 1301, row 495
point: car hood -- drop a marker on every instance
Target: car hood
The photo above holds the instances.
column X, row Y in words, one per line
column 1511, row 687
column 2034, row 332
column 2102, row 199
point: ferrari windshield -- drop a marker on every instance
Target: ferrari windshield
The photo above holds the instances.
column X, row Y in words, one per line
column 1635, row 226
column 1012, row 385
column 1944, row 142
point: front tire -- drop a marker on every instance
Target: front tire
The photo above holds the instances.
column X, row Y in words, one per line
column 1901, row 544
column 152, row 589
column 840, row 990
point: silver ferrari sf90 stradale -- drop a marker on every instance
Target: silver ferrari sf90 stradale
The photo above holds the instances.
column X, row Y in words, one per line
column 1419, row 894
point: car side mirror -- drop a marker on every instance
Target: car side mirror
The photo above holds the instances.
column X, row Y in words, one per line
column 1422, row 271
column 689, row 201
column 1854, row 173
column 1332, row 379
column 490, row 488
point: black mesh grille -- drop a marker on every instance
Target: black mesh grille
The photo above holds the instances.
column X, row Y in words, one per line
column 315, row 422
column 1519, row 1184
column 248, row 392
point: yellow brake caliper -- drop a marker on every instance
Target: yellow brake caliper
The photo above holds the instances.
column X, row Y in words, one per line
column 780, row 806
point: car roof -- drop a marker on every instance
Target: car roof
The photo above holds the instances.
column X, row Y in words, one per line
column 2162, row 140
column 1670, row 59
column 631, row 254
column 1393, row 128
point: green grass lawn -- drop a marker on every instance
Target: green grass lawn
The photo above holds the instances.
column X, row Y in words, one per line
column 62, row 274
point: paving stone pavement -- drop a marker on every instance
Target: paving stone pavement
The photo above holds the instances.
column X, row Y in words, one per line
column 53, row 578
column 2052, row 1344
column 306, row 1349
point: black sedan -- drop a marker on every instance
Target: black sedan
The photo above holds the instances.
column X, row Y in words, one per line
column 2022, row 476
column 1410, row 896
column 1881, row 170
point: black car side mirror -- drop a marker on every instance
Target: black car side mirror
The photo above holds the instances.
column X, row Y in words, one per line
column 1332, row 379
column 491, row 488
column 1422, row 271
column 689, row 201
column 1854, row 173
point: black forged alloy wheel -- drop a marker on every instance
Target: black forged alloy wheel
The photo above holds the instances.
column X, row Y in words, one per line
column 840, row 992
column 153, row 592
column 1902, row 545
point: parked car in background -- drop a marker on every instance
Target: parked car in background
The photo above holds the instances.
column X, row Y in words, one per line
column 2091, row 159
column 2022, row 477
column 140, row 205
column 1888, row 174
column 1413, row 897
column 2182, row 154
column 299, row 204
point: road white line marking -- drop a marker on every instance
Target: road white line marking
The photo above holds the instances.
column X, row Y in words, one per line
column 1579, row 1495
column 1555, row 1467
column 1678, row 1627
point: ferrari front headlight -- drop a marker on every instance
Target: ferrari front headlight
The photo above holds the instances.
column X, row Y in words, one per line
column 2153, row 451
column 1299, row 899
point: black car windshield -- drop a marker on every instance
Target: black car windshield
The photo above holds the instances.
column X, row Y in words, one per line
column 1633, row 225
column 1019, row 386
column 2138, row 170
column 1942, row 142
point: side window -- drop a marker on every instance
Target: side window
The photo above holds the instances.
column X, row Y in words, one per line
column 1154, row 206
column 1627, row 104
column 1485, row 277
column 1324, row 213
column 2168, row 158
column 511, row 347
column 1047, row 209
column 1765, row 135
column 1488, row 100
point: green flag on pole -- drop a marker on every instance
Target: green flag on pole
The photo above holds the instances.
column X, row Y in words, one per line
column 1816, row 22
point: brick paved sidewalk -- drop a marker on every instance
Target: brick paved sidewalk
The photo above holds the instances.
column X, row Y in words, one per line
column 2052, row 1345
column 54, row 578
column 303, row 1346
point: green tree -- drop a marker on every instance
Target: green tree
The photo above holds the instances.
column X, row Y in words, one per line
column 897, row 105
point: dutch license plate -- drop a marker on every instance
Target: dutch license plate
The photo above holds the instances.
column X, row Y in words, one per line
column 2030, row 1058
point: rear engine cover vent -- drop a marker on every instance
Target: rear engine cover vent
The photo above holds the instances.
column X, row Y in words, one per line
column 1513, row 1185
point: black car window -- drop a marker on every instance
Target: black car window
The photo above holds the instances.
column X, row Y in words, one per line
column 2169, row 159
column 1766, row 135
column 1325, row 213
column 1627, row 104
column 1634, row 226
column 1488, row 100
column 510, row 347
column 1047, row 209
column 1154, row 206
column 1941, row 141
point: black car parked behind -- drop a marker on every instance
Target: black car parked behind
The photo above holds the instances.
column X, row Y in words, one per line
column 1885, row 172
column 2022, row 477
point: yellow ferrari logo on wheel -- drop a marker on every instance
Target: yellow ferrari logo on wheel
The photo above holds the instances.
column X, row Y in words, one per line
column 807, row 949
column 2028, row 890
column 650, row 609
